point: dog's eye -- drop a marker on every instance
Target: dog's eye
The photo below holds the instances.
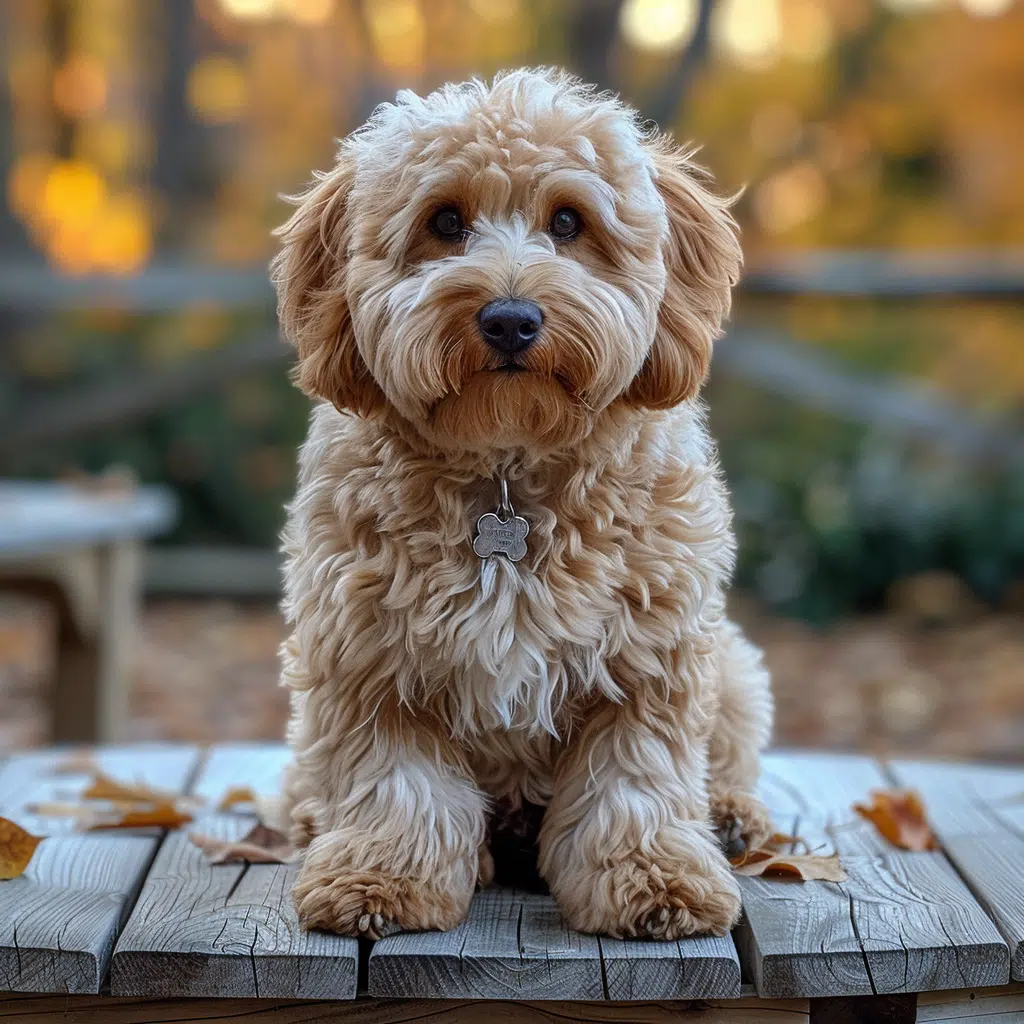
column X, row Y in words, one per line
column 565, row 223
column 447, row 224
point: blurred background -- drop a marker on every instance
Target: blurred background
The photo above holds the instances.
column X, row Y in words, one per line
column 869, row 400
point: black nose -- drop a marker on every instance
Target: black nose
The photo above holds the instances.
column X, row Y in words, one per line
column 510, row 325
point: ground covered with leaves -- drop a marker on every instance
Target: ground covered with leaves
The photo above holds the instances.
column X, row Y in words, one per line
column 936, row 674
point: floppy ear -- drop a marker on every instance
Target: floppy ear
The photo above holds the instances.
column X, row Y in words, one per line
column 703, row 258
column 309, row 274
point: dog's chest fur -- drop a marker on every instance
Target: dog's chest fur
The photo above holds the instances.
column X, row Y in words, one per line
column 504, row 653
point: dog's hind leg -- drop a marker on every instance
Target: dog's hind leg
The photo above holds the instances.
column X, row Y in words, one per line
column 742, row 730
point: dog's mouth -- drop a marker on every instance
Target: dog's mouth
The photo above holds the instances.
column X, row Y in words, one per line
column 508, row 367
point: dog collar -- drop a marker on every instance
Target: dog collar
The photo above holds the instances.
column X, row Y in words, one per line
column 501, row 532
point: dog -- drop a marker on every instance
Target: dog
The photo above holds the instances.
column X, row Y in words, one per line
column 507, row 556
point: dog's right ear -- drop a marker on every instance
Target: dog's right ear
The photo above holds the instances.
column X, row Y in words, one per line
column 309, row 274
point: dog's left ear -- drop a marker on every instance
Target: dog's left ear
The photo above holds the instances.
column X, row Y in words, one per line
column 703, row 259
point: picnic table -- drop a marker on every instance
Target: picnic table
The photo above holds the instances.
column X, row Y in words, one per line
column 132, row 927
column 80, row 550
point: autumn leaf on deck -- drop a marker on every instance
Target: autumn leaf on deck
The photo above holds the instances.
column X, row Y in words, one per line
column 807, row 866
column 16, row 848
column 159, row 814
column 235, row 795
column 260, row 845
column 899, row 816
column 103, row 787
column 126, row 795
column 57, row 809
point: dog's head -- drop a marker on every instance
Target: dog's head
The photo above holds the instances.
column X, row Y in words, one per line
column 501, row 263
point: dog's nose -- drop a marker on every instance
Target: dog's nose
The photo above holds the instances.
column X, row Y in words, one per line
column 510, row 325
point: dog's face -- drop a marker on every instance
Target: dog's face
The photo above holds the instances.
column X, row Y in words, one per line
column 499, row 264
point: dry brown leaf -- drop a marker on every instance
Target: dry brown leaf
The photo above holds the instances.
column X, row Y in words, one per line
column 56, row 809
column 103, row 787
column 16, row 848
column 160, row 814
column 807, row 866
column 778, row 840
column 260, row 845
column 235, row 795
column 899, row 816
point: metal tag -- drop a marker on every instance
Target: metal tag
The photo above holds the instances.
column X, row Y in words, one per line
column 501, row 532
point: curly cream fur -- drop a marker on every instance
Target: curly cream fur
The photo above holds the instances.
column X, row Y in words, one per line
column 600, row 676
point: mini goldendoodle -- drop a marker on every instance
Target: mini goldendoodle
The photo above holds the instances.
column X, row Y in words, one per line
column 510, row 544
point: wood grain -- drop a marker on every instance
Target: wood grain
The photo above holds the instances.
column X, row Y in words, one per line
column 227, row 930
column 106, row 1010
column 977, row 812
column 1001, row 1005
column 900, row 923
column 512, row 945
column 517, row 944
column 58, row 921
column 700, row 967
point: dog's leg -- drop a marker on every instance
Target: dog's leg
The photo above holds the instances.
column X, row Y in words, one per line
column 742, row 730
column 394, row 823
column 627, row 845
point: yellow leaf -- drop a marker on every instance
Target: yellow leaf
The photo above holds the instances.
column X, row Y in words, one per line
column 236, row 795
column 103, row 787
column 162, row 814
column 56, row 810
column 16, row 848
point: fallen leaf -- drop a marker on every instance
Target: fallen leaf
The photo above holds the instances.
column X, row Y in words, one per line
column 899, row 816
column 778, row 840
column 56, row 809
column 807, row 866
column 260, row 845
column 236, row 795
column 16, row 848
column 161, row 814
column 103, row 787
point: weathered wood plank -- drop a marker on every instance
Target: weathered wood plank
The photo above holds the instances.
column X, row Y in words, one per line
column 900, row 923
column 701, row 967
column 517, row 944
column 58, row 921
column 107, row 1010
column 977, row 811
column 1001, row 1005
column 512, row 945
column 230, row 929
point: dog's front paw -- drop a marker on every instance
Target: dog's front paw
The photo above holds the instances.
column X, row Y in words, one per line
column 330, row 895
column 741, row 822
column 684, row 887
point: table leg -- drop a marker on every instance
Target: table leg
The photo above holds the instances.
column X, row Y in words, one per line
column 120, row 587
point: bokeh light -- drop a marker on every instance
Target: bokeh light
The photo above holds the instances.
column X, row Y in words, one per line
column 664, row 25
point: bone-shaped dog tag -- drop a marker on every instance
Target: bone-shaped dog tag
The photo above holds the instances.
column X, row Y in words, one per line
column 503, row 532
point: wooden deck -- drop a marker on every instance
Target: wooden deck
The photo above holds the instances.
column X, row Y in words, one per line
column 142, row 921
